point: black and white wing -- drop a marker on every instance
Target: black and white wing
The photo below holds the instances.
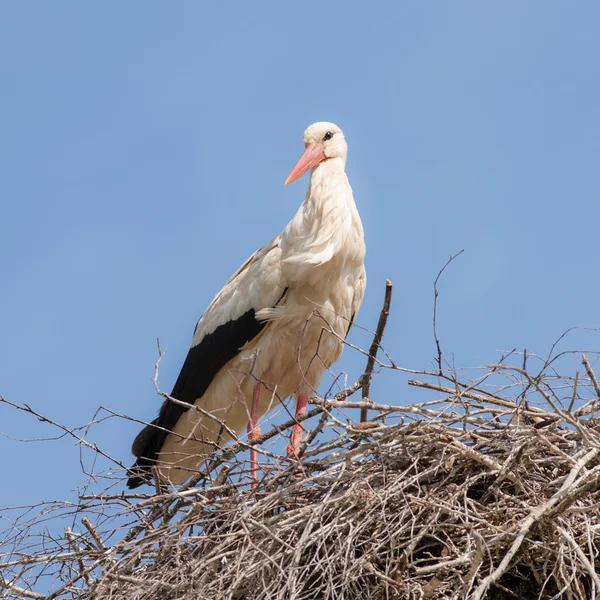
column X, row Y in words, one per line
column 226, row 326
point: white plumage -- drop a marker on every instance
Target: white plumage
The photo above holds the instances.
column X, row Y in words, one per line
column 289, row 307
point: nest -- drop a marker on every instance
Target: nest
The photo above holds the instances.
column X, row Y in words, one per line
column 470, row 495
column 489, row 488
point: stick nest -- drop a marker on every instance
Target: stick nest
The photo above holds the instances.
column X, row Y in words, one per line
column 472, row 494
column 418, row 510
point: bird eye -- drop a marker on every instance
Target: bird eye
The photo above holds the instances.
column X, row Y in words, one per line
column 327, row 136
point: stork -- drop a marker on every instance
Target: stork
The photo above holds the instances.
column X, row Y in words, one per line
column 272, row 331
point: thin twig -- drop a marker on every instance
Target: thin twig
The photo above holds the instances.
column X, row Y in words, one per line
column 383, row 317
column 435, row 298
column 591, row 374
column 96, row 537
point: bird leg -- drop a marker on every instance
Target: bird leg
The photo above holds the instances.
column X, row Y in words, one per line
column 254, row 431
column 297, row 429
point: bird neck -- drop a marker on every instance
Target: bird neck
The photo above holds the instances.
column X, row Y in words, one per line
column 326, row 179
column 328, row 169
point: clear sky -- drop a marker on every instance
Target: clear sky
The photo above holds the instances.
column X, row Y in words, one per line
column 143, row 150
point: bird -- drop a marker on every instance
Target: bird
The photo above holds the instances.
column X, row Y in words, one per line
column 272, row 331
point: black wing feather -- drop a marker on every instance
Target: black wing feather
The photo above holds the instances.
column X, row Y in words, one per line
column 201, row 365
column 350, row 324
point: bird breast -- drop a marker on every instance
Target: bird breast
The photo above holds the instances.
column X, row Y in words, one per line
column 322, row 258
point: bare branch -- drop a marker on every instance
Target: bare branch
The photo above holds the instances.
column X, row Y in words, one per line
column 435, row 298
column 383, row 317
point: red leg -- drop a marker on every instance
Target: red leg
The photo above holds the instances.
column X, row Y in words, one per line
column 254, row 431
column 297, row 429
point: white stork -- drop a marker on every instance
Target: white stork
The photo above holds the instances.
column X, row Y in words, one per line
column 274, row 328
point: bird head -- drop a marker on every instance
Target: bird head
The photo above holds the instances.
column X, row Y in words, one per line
column 322, row 141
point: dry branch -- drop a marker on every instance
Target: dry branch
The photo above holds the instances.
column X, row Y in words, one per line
column 366, row 378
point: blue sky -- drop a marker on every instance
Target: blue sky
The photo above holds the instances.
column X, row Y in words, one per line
column 143, row 151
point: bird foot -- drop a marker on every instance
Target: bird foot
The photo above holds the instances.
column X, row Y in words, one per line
column 297, row 429
column 252, row 435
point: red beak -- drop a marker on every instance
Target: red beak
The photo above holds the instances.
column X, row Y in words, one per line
column 312, row 156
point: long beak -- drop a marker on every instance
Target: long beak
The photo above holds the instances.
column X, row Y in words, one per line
column 312, row 156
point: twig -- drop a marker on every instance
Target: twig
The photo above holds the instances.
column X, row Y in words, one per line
column 26, row 408
column 88, row 525
column 479, row 397
column 383, row 317
column 591, row 374
column 435, row 297
column 574, row 394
